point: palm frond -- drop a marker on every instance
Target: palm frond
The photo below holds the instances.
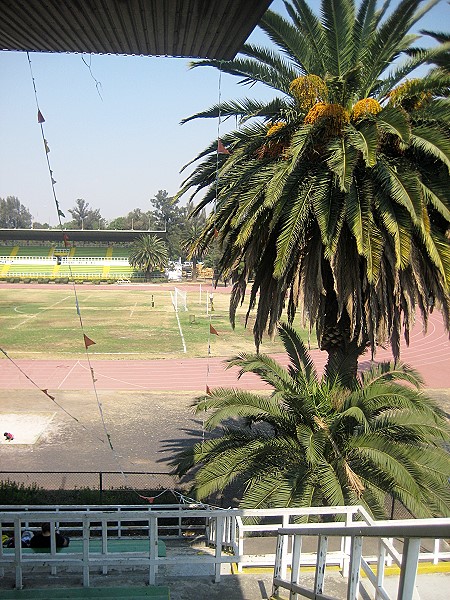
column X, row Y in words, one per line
column 338, row 18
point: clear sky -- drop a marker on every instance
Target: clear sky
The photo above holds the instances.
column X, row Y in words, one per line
column 118, row 151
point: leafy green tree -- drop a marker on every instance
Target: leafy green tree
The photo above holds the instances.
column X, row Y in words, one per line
column 135, row 219
column 120, row 223
column 148, row 253
column 338, row 440
column 170, row 217
column 13, row 214
column 195, row 222
column 38, row 225
column 85, row 217
column 335, row 193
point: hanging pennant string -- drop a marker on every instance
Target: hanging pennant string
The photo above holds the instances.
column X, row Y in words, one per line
column 98, row 84
column 220, row 149
column 87, row 341
column 182, row 499
column 45, row 391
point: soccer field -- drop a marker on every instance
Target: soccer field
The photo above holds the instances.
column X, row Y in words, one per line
column 124, row 323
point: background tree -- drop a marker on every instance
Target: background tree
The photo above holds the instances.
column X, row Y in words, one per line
column 195, row 222
column 338, row 440
column 13, row 214
column 148, row 253
column 135, row 219
column 38, row 225
column 85, row 217
column 170, row 217
column 336, row 197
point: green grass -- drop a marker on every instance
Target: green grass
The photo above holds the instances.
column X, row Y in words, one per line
column 43, row 323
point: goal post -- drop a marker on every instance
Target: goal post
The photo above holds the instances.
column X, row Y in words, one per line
column 179, row 300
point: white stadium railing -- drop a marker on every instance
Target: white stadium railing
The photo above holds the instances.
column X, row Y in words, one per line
column 227, row 531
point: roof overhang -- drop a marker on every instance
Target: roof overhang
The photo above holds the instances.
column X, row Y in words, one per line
column 74, row 235
column 213, row 29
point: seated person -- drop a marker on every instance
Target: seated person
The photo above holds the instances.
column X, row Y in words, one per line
column 42, row 539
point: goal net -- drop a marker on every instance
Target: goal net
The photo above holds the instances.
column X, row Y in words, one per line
column 179, row 300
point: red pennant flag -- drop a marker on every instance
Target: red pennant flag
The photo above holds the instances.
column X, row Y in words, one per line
column 40, row 117
column 149, row 498
column 208, row 391
column 212, row 330
column 87, row 341
column 66, row 240
column 47, row 394
column 221, row 148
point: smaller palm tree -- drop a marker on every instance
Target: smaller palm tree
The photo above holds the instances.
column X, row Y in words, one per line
column 338, row 440
column 148, row 253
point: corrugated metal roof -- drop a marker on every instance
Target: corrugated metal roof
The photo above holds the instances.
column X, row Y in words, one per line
column 196, row 28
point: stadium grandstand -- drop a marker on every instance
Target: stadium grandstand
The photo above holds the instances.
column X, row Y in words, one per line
column 55, row 255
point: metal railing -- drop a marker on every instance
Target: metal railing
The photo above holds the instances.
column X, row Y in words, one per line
column 93, row 530
column 74, row 276
column 411, row 532
column 65, row 260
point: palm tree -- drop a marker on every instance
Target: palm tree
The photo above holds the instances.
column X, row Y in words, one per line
column 148, row 253
column 323, row 442
column 334, row 196
column 191, row 233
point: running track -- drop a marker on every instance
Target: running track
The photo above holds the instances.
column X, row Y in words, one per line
column 429, row 354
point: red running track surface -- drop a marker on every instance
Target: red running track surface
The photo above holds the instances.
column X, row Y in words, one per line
column 430, row 354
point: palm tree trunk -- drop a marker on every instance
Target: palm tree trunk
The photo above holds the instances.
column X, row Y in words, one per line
column 334, row 333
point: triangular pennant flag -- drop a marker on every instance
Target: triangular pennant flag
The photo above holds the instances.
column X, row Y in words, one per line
column 61, row 214
column 47, row 149
column 212, row 330
column 47, row 394
column 149, row 498
column 87, row 341
column 53, row 181
column 208, row 391
column 66, row 240
column 221, row 148
column 40, row 117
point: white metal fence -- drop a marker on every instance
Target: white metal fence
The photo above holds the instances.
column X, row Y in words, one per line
column 229, row 531
column 410, row 533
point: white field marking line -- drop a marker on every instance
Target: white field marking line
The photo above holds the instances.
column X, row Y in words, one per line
column 39, row 313
column 97, row 375
column 132, row 310
column 178, row 321
column 68, row 373
column 16, row 309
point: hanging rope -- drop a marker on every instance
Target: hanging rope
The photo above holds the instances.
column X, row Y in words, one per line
column 220, row 149
column 87, row 341
column 45, row 391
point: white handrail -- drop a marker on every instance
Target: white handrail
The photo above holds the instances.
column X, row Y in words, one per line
column 226, row 529
column 411, row 531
